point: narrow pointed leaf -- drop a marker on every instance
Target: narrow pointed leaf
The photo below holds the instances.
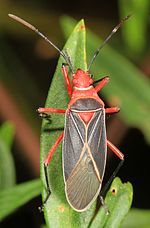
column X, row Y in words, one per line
column 143, row 220
column 137, row 26
column 57, row 211
column 7, row 133
column 14, row 197
column 118, row 201
column 7, row 166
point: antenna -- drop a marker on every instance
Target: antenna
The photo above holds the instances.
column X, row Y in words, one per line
column 107, row 39
column 25, row 23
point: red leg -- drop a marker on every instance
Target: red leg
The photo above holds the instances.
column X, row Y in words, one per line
column 112, row 110
column 50, row 153
column 102, row 83
column 67, row 79
column 46, row 163
column 115, row 150
column 121, row 156
column 51, row 110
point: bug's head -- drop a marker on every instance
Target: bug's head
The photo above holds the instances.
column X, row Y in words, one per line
column 82, row 79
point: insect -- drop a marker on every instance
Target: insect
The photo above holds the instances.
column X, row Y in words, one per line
column 84, row 137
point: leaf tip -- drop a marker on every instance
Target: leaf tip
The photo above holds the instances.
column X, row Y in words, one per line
column 80, row 26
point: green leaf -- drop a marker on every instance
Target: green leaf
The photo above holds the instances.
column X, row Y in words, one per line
column 118, row 201
column 137, row 218
column 57, row 211
column 43, row 226
column 137, row 25
column 7, row 131
column 128, row 88
column 7, row 166
column 14, row 197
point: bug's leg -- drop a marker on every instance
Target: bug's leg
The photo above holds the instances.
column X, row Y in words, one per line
column 46, row 163
column 99, row 80
column 121, row 156
column 43, row 112
column 112, row 110
column 115, row 150
column 104, row 204
column 102, row 83
column 110, row 180
column 51, row 110
column 45, row 116
column 67, row 79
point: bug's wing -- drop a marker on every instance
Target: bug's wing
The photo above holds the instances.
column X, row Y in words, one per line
column 97, row 140
column 73, row 142
column 83, row 184
column 82, row 175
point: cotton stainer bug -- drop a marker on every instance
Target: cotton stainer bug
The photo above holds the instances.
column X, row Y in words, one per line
column 85, row 143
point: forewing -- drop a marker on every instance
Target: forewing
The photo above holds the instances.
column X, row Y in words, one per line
column 97, row 140
column 83, row 185
column 74, row 135
column 84, row 162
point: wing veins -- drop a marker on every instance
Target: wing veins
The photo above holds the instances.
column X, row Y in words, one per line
column 77, row 128
column 90, row 138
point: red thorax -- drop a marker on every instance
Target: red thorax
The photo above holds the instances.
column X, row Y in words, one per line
column 83, row 88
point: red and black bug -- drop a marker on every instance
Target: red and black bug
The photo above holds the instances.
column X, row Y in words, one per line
column 84, row 137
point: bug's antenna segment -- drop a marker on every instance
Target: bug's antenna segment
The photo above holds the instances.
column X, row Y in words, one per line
column 25, row 23
column 107, row 39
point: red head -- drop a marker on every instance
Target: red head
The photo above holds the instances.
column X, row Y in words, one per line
column 82, row 79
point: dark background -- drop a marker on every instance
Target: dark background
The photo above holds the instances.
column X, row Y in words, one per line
column 38, row 61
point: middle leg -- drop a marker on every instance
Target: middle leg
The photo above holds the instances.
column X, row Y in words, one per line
column 46, row 163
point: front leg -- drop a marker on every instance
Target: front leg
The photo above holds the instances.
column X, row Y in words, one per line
column 102, row 83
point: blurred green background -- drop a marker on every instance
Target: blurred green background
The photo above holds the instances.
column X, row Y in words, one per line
column 28, row 63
